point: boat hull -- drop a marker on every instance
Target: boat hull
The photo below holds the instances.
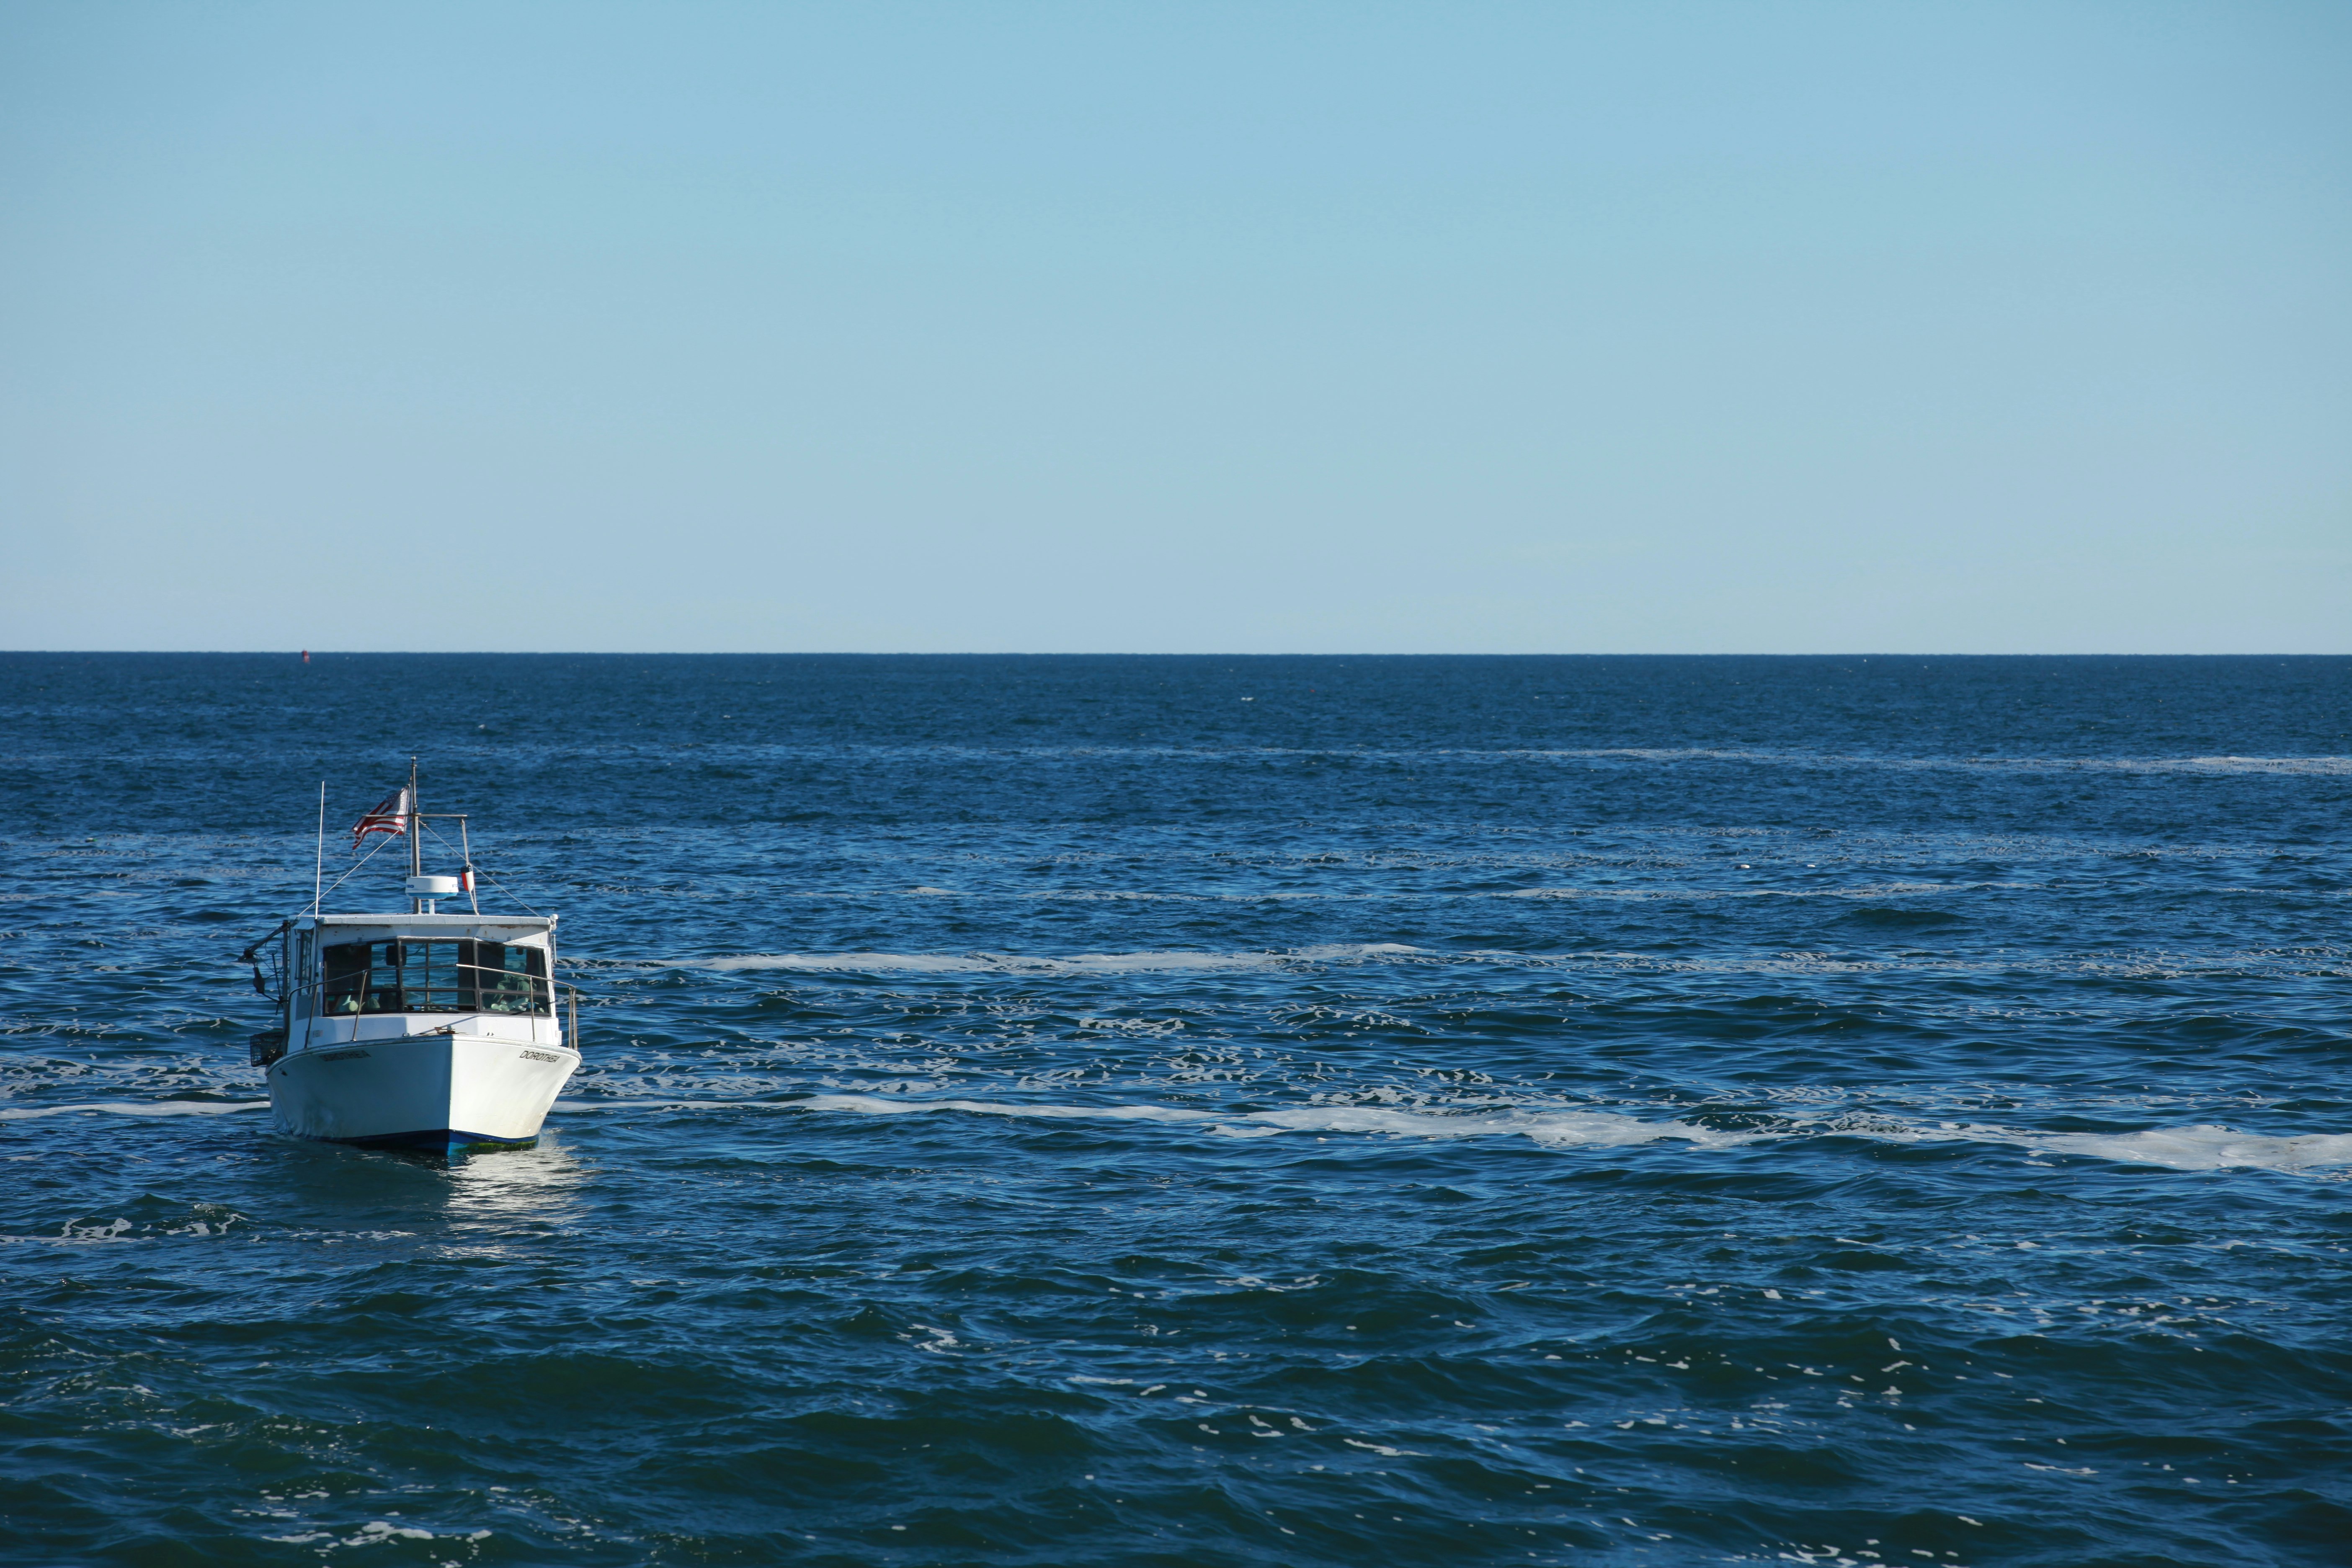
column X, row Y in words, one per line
column 437, row 1092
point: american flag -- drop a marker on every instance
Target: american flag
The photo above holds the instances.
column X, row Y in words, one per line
column 390, row 815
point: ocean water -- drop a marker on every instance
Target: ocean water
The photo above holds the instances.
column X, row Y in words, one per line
column 1209, row 1111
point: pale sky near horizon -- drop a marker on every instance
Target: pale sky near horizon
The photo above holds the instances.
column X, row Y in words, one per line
column 1189, row 327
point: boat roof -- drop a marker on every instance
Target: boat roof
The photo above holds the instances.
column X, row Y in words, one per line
column 457, row 923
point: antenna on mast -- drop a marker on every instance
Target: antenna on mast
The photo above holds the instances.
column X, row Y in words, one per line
column 319, row 863
column 415, row 845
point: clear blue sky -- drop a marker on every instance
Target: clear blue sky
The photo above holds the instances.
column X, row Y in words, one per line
column 1444, row 328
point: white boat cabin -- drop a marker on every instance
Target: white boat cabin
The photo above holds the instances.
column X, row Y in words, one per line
column 349, row 978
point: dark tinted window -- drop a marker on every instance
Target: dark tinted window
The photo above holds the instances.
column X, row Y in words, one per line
column 406, row 975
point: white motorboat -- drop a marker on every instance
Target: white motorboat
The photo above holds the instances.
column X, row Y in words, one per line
column 420, row 1030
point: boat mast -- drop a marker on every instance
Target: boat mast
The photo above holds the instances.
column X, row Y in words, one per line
column 318, row 860
column 416, row 849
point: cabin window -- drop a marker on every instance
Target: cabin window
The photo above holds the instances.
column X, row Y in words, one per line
column 408, row 976
column 505, row 978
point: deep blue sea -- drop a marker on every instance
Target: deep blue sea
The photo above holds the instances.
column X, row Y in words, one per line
column 1208, row 1110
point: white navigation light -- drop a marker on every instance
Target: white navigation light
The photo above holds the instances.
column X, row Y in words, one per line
column 432, row 887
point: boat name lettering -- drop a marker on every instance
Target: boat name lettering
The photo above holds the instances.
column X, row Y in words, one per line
column 339, row 1056
column 540, row 1057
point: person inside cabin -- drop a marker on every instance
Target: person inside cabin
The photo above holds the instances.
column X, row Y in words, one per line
column 347, row 977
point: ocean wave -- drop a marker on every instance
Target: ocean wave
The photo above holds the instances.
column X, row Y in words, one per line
column 1553, row 1129
column 1024, row 963
column 2325, row 766
column 2317, row 766
column 2312, row 960
column 1670, row 894
column 139, row 1108
column 2202, row 1147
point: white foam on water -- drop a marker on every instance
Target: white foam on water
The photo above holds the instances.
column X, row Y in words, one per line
column 2151, row 965
column 891, row 1105
column 1552, row 1129
column 125, row 1108
column 864, row 962
column 1339, row 951
column 2325, row 767
column 1022, row 963
column 2196, row 1148
column 2204, row 1147
column 2319, row 767
column 1113, row 895
column 1383, row 1450
column 1142, row 962
column 1873, row 892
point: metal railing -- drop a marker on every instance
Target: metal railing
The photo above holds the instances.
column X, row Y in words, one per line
column 546, row 995
column 511, row 984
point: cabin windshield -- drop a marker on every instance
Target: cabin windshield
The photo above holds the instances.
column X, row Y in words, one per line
column 412, row 975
